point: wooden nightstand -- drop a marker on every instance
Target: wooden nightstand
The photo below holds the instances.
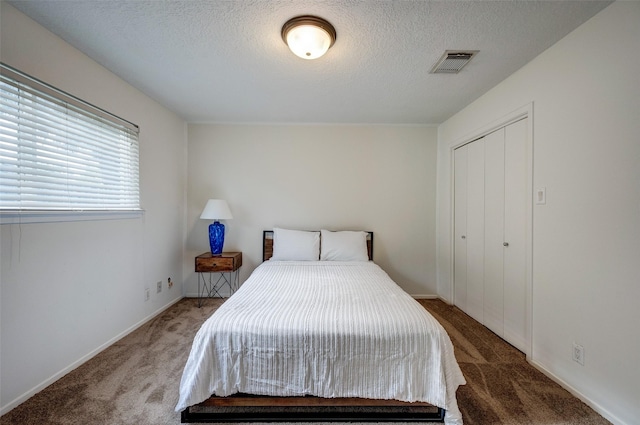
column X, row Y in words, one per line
column 226, row 265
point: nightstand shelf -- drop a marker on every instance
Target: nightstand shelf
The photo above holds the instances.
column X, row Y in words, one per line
column 225, row 265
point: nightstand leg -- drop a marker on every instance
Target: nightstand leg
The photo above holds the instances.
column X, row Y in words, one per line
column 237, row 281
column 199, row 293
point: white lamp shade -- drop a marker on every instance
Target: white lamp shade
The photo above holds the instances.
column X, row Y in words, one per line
column 308, row 41
column 216, row 209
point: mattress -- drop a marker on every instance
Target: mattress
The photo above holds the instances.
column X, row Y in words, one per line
column 323, row 328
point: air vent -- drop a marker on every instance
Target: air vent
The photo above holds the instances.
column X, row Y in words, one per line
column 453, row 61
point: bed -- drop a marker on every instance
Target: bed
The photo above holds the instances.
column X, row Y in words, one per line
column 324, row 325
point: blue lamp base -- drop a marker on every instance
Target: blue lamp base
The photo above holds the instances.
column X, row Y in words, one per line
column 216, row 237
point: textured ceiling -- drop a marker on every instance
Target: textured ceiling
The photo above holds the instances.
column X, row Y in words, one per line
column 224, row 61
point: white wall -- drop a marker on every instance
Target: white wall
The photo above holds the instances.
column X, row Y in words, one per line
column 586, row 239
column 378, row 178
column 69, row 289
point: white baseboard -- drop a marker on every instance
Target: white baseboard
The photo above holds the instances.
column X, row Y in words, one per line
column 194, row 295
column 424, row 296
column 595, row 406
column 33, row 391
column 444, row 300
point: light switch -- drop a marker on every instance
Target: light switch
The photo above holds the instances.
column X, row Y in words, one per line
column 541, row 196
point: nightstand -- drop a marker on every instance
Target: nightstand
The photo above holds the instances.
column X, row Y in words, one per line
column 226, row 267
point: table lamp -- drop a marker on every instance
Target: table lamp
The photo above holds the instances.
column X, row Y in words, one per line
column 216, row 209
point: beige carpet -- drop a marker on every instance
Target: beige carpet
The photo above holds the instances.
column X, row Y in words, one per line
column 136, row 380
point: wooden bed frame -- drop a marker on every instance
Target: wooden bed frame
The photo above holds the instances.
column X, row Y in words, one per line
column 250, row 408
column 253, row 408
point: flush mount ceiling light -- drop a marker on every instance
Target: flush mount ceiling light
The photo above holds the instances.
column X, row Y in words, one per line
column 308, row 37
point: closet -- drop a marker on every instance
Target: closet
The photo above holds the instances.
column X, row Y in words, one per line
column 490, row 216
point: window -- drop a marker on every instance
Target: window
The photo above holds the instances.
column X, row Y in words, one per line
column 61, row 154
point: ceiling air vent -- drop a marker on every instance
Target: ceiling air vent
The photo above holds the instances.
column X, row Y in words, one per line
column 453, row 61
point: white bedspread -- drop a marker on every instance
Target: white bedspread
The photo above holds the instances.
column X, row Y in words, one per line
column 329, row 329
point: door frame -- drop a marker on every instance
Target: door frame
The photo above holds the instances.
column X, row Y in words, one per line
column 517, row 115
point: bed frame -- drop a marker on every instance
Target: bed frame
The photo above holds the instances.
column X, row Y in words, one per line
column 250, row 408
column 253, row 408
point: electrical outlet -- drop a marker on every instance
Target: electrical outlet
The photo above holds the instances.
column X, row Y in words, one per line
column 159, row 286
column 169, row 282
column 147, row 294
column 578, row 353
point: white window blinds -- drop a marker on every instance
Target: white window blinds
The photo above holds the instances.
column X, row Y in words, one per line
column 60, row 153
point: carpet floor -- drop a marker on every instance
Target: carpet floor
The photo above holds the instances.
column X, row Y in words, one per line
column 136, row 380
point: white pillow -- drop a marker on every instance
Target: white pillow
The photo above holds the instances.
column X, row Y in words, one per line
column 344, row 246
column 292, row 245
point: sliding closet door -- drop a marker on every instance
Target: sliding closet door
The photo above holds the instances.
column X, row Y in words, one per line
column 460, row 228
column 515, row 214
column 475, row 229
column 494, row 181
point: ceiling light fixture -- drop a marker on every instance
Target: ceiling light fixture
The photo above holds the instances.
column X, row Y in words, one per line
column 308, row 37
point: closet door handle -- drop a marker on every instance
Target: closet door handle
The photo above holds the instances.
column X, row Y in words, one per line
column 463, row 237
column 505, row 244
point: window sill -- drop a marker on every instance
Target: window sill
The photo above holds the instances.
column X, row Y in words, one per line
column 25, row 217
